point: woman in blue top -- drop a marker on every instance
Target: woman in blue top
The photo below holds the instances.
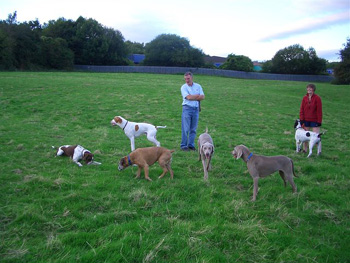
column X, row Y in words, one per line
column 192, row 93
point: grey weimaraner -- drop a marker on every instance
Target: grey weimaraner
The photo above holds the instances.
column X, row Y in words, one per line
column 261, row 166
column 205, row 151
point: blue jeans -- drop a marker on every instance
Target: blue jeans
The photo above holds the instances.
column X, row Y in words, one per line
column 189, row 122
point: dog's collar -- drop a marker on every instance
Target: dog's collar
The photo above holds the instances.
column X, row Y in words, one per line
column 250, row 156
column 125, row 125
column 129, row 160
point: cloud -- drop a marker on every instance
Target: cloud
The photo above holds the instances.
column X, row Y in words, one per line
column 309, row 25
column 144, row 28
column 324, row 6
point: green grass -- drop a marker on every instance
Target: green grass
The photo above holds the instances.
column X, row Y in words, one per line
column 51, row 210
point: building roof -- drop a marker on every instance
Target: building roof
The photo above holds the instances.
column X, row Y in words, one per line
column 136, row 58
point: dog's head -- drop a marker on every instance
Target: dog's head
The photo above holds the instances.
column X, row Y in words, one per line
column 117, row 120
column 88, row 157
column 297, row 124
column 123, row 163
column 238, row 151
column 207, row 149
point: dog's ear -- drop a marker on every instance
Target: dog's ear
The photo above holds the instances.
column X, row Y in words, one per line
column 212, row 150
column 238, row 152
column 118, row 120
column 87, row 157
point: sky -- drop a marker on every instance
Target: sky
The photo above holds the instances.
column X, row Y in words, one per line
column 257, row 29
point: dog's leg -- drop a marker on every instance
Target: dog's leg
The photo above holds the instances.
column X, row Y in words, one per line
column 255, row 190
column 165, row 170
column 146, row 171
column 165, row 163
column 162, row 163
column 132, row 142
column 283, row 178
column 170, row 170
column 205, row 169
column 199, row 152
column 291, row 181
column 297, row 146
column 319, row 148
column 311, row 145
column 79, row 164
column 152, row 138
column 209, row 164
column 138, row 174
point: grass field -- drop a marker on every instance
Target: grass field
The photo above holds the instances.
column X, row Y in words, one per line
column 51, row 210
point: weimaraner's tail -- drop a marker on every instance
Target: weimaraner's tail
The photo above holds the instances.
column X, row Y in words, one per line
column 293, row 168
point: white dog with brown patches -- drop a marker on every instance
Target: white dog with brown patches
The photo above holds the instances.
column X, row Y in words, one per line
column 134, row 129
column 76, row 153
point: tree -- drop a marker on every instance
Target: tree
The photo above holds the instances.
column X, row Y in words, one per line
column 267, row 66
column 296, row 60
column 342, row 71
column 20, row 43
column 61, row 28
column 7, row 44
column 135, row 47
column 91, row 43
column 117, row 49
column 56, row 54
column 238, row 62
column 172, row 50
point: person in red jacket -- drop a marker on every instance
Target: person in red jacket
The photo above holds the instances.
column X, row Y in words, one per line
column 311, row 111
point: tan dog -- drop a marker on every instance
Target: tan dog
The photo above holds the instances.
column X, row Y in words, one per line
column 205, row 151
column 261, row 166
column 145, row 157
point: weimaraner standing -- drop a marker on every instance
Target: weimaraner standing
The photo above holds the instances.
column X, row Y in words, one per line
column 205, row 151
column 261, row 166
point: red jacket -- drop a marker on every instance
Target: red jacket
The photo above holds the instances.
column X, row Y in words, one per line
column 311, row 110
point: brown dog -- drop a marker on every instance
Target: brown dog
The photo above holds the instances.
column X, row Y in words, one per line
column 261, row 166
column 145, row 157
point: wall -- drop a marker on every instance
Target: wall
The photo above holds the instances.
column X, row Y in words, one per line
column 204, row 71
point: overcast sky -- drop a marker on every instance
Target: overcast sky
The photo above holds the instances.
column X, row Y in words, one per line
column 254, row 28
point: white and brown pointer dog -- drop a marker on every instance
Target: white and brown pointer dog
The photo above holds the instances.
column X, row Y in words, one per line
column 134, row 129
column 76, row 153
column 302, row 136
column 261, row 166
column 145, row 157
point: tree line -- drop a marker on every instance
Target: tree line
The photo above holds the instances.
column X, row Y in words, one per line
column 60, row 44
